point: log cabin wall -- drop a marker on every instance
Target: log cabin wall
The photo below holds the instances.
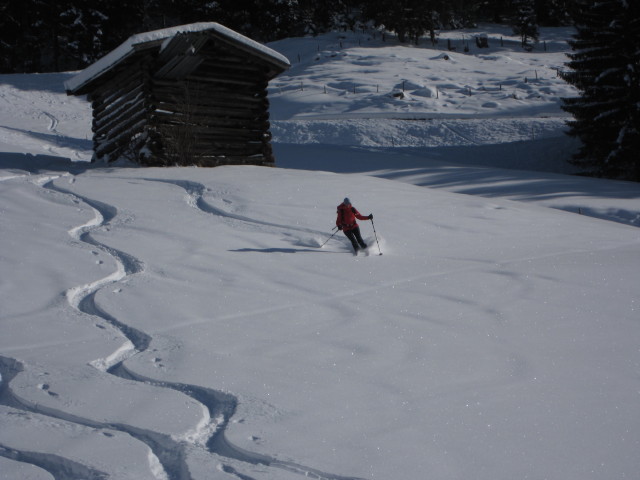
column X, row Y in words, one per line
column 196, row 96
column 120, row 112
column 210, row 108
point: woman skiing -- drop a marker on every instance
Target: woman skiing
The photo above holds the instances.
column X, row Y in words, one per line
column 346, row 221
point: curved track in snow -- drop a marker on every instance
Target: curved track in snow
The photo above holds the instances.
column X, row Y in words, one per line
column 170, row 453
column 195, row 198
column 60, row 468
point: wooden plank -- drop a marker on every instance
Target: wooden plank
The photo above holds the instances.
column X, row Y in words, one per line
column 240, row 133
column 229, row 103
column 118, row 147
column 203, row 85
column 222, row 80
column 126, row 129
column 216, row 65
column 216, row 161
column 123, row 83
column 204, row 115
column 113, row 101
column 209, row 96
column 111, row 118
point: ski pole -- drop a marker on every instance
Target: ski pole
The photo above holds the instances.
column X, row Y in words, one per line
column 325, row 242
column 376, row 235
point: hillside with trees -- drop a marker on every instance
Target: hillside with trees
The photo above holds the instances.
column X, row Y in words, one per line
column 605, row 68
column 44, row 36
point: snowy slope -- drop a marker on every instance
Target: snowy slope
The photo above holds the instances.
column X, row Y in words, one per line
column 184, row 323
column 488, row 107
column 362, row 75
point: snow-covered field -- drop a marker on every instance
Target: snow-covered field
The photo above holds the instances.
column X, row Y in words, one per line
column 184, row 323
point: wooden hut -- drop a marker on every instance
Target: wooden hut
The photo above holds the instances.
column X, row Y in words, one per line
column 189, row 95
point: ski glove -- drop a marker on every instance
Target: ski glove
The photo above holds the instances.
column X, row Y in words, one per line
column 339, row 227
column 371, row 216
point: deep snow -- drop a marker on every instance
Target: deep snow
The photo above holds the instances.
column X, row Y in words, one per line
column 184, row 323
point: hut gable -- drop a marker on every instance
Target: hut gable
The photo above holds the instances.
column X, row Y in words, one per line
column 189, row 95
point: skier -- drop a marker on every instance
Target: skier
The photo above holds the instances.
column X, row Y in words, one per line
column 346, row 222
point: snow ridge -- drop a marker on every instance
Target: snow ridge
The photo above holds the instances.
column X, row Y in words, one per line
column 195, row 199
column 61, row 468
column 167, row 457
column 214, row 400
column 170, row 455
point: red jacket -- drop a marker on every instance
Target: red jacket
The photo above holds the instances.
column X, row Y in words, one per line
column 347, row 215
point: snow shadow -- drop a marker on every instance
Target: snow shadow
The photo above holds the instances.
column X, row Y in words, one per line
column 59, row 467
column 40, row 163
column 55, row 139
column 484, row 170
column 281, row 250
column 49, row 82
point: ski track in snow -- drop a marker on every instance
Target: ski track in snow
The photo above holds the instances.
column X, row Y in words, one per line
column 60, row 468
column 195, row 199
column 167, row 459
column 196, row 191
column 466, row 138
column 53, row 122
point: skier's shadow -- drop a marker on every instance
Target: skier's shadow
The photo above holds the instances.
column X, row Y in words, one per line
column 281, row 250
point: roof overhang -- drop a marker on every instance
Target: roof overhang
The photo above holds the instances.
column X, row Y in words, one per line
column 167, row 38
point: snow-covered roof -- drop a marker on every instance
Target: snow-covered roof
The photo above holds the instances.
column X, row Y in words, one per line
column 127, row 48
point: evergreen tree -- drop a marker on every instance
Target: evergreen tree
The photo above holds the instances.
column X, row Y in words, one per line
column 497, row 11
column 459, row 13
column 526, row 23
column 605, row 68
column 409, row 19
column 553, row 12
column 45, row 36
column 13, row 19
column 78, row 37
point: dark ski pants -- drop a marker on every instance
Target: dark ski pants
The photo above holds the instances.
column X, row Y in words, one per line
column 356, row 238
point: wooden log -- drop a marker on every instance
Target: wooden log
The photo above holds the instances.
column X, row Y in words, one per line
column 222, row 80
column 208, row 97
column 125, row 130
column 241, row 67
column 102, row 107
column 214, row 150
column 212, row 100
column 216, row 161
column 120, row 83
column 113, row 118
column 209, row 116
column 220, row 146
column 210, row 138
column 230, row 104
column 125, row 82
column 225, row 47
column 205, row 85
column 246, row 68
column 118, row 147
column 114, row 145
column 240, row 132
